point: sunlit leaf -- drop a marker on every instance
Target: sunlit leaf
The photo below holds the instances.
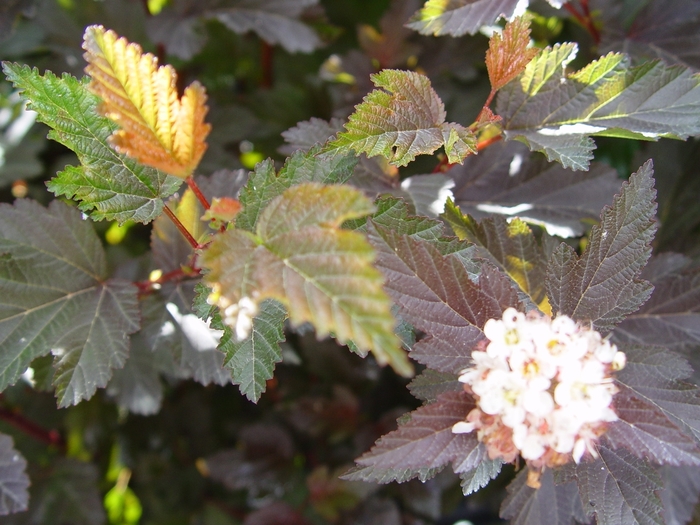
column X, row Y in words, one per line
column 556, row 113
column 403, row 119
column 321, row 273
column 107, row 184
column 156, row 127
column 603, row 285
column 459, row 17
column 55, row 297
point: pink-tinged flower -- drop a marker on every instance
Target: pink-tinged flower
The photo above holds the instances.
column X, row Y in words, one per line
column 543, row 389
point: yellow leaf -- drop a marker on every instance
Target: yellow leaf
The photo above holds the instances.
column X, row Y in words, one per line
column 156, row 127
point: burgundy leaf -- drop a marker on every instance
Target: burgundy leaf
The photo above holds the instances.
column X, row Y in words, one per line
column 422, row 445
column 603, row 285
column 680, row 494
column 434, row 293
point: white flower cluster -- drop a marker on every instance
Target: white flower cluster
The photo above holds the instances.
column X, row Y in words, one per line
column 543, row 389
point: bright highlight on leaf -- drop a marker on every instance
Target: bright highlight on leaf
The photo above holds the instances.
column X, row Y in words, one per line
column 508, row 53
column 157, row 128
column 459, row 17
column 301, row 257
column 403, row 119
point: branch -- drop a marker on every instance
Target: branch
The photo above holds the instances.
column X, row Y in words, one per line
column 195, row 189
column 193, row 242
column 24, row 425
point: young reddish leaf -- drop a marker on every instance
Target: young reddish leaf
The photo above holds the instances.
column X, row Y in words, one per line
column 403, row 119
column 620, row 489
column 108, row 185
column 556, row 113
column 511, row 245
column 459, row 17
column 157, row 128
column 553, row 504
column 508, row 53
column 301, row 257
column 436, row 295
column 421, row 445
column 54, row 285
column 603, row 285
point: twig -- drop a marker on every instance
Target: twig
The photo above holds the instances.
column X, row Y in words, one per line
column 266, row 53
column 193, row 242
column 146, row 287
column 21, row 423
column 195, row 189
column 585, row 19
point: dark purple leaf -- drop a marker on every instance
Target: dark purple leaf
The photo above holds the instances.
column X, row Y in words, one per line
column 435, row 294
column 430, row 384
column 550, row 504
column 276, row 513
column 308, row 133
column 620, row 489
column 422, row 445
column 459, row 17
column 680, row 494
column 506, row 179
column 603, row 285
column 14, row 482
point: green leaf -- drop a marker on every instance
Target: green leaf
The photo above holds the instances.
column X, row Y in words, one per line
column 55, row 297
column 264, row 185
column 107, row 185
column 603, row 284
column 556, row 113
column 403, row 119
column 321, row 273
column 252, row 361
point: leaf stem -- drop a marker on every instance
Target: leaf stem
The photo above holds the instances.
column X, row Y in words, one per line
column 21, row 423
column 146, row 287
column 266, row 53
column 487, row 142
column 584, row 18
column 193, row 242
column 195, row 189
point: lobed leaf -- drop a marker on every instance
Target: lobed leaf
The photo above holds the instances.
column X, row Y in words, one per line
column 107, row 184
column 556, row 113
column 508, row 53
column 14, row 482
column 603, row 285
column 435, row 294
column 55, row 297
column 422, row 445
column 156, row 127
column 321, row 273
column 551, row 503
column 252, row 361
column 620, row 489
column 459, row 17
column 403, row 119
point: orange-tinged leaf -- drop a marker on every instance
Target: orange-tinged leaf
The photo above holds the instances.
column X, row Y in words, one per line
column 508, row 53
column 157, row 128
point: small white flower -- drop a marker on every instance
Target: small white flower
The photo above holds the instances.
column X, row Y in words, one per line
column 542, row 387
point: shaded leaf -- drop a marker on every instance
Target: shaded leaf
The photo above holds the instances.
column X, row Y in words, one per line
column 156, row 127
column 308, row 133
column 505, row 179
column 478, row 476
column 658, row 412
column 435, row 294
column 429, row 384
column 555, row 504
column 54, row 297
column 182, row 36
column 671, row 317
column 508, row 53
column 603, row 285
column 510, row 244
column 14, row 482
column 276, row 513
column 556, row 113
column 680, row 494
column 426, row 193
column 275, row 21
column 459, row 17
column 620, row 489
column 264, row 185
column 421, row 445
column 107, row 184
column 403, row 119
column 252, row 361
column 321, row 273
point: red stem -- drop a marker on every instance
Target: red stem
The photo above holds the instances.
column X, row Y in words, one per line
column 585, row 19
column 146, row 287
column 195, row 189
column 266, row 53
column 21, row 423
column 193, row 242
column 486, row 143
